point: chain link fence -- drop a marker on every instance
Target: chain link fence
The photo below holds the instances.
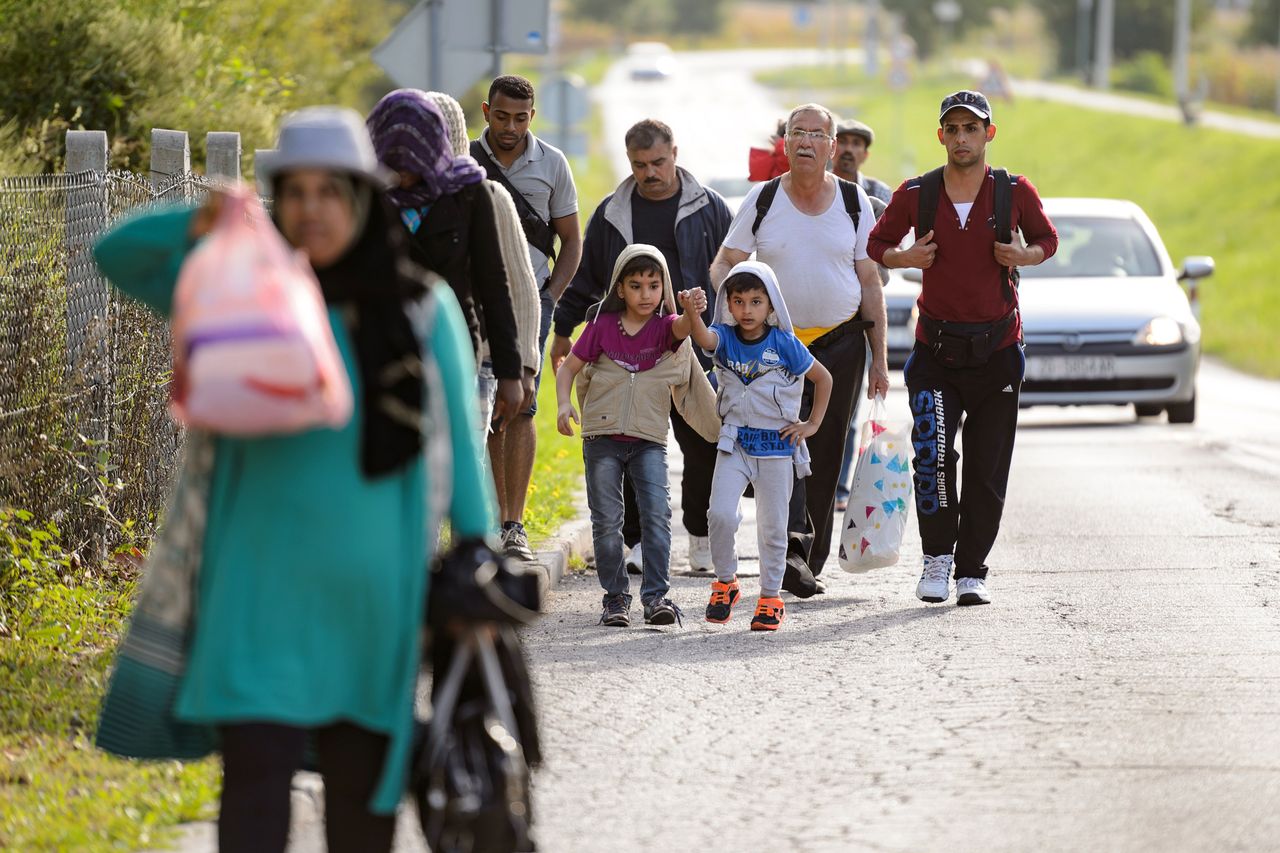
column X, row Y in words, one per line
column 85, row 438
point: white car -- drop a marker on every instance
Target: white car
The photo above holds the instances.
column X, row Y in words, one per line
column 651, row 60
column 1106, row 319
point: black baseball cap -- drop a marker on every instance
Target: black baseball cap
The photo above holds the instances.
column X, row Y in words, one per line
column 974, row 102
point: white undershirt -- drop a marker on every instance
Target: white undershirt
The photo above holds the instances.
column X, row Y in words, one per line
column 963, row 210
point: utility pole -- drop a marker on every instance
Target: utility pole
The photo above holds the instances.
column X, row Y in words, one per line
column 435, row 44
column 871, row 44
column 1278, row 75
column 497, row 7
column 1182, row 51
column 1083, row 10
column 1103, row 44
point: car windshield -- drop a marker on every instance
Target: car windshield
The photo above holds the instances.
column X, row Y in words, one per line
column 1096, row 248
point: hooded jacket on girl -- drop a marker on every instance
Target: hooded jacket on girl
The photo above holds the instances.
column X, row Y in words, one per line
column 616, row 401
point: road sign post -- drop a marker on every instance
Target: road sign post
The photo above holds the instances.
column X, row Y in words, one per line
column 447, row 45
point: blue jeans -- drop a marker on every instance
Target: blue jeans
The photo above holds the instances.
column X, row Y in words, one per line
column 645, row 465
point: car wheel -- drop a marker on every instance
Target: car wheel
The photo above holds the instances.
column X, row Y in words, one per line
column 1148, row 410
column 1182, row 413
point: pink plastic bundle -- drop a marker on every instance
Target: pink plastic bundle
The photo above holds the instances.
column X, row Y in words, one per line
column 253, row 353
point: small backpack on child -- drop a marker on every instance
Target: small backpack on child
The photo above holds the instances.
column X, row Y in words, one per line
column 253, row 353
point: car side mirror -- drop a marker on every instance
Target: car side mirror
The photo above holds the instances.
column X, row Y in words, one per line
column 1196, row 266
column 916, row 274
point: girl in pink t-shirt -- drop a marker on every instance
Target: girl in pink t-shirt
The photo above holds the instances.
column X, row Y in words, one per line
column 635, row 327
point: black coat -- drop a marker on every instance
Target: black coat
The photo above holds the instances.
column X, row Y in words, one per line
column 458, row 239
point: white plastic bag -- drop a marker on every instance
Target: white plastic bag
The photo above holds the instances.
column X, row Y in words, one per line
column 880, row 500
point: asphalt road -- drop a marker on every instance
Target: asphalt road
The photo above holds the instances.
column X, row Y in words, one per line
column 1121, row 693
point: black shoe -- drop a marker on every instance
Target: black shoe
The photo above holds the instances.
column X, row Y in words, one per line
column 615, row 613
column 798, row 580
column 662, row 611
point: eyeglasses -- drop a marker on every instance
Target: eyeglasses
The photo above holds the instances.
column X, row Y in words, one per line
column 813, row 135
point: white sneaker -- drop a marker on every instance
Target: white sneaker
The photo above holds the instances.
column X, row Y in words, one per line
column 935, row 581
column 634, row 561
column 970, row 591
column 700, row 553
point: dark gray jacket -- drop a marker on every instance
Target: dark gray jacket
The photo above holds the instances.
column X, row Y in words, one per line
column 702, row 221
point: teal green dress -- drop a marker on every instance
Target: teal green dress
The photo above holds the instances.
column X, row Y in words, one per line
column 313, row 578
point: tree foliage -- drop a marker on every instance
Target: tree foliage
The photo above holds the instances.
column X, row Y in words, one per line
column 1141, row 26
column 194, row 65
column 1264, row 22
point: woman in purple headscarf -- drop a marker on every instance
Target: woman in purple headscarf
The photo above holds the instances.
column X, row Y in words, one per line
column 452, row 227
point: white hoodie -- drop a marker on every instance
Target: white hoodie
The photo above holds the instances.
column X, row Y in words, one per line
column 771, row 400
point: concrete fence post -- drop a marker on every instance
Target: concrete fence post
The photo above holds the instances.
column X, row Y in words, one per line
column 87, row 374
column 222, row 155
column 170, row 155
column 261, row 156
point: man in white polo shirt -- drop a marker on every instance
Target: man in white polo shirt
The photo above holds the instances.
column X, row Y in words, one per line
column 833, row 292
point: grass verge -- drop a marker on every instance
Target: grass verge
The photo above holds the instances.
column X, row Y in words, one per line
column 59, row 627
column 1207, row 190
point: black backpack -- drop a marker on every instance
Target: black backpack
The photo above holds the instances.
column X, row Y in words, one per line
column 764, row 201
column 927, row 209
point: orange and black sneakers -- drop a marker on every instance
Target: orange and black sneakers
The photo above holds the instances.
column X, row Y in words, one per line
column 723, row 597
column 769, row 615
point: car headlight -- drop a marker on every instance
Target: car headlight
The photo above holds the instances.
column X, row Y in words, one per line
column 1160, row 332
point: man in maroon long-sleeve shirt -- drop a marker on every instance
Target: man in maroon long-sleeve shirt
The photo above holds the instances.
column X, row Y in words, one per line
column 968, row 356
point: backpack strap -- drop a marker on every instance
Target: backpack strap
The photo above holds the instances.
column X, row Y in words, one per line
column 1003, row 199
column 764, row 201
column 848, row 192
column 537, row 230
column 927, row 201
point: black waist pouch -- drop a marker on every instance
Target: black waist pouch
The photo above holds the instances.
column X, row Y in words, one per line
column 957, row 345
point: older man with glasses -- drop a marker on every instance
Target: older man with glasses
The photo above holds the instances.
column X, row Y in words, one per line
column 811, row 227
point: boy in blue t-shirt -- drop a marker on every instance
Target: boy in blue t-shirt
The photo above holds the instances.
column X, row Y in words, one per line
column 760, row 369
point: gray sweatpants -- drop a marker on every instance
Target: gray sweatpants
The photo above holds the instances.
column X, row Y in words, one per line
column 772, row 478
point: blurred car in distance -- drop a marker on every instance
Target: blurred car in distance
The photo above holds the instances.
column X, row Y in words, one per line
column 1106, row 319
column 734, row 190
column 650, row 60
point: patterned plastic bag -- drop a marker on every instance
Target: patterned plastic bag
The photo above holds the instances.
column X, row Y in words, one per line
column 880, row 500
column 253, row 352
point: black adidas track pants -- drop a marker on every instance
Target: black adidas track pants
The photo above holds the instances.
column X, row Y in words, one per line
column 962, row 518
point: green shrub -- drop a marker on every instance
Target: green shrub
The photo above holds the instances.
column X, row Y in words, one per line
column 1146, row 73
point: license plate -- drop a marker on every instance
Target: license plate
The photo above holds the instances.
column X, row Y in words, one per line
column 1051, row 367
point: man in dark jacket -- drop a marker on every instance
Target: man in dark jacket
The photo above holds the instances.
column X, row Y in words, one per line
column 663, row 205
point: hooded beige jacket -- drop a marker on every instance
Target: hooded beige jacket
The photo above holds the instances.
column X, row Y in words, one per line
column 616, row 401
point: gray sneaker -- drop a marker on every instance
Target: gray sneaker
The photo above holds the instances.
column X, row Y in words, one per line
column 515, row 542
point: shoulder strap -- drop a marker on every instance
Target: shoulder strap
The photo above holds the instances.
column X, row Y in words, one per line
column 1003, row 204
column 537, row 230
column 1003, row 201
column 927, row 202
column 764, row 201
column 849, row 191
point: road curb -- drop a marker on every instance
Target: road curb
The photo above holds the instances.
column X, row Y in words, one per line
column 572, row 540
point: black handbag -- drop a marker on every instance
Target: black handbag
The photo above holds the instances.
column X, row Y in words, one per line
column 471, row 769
